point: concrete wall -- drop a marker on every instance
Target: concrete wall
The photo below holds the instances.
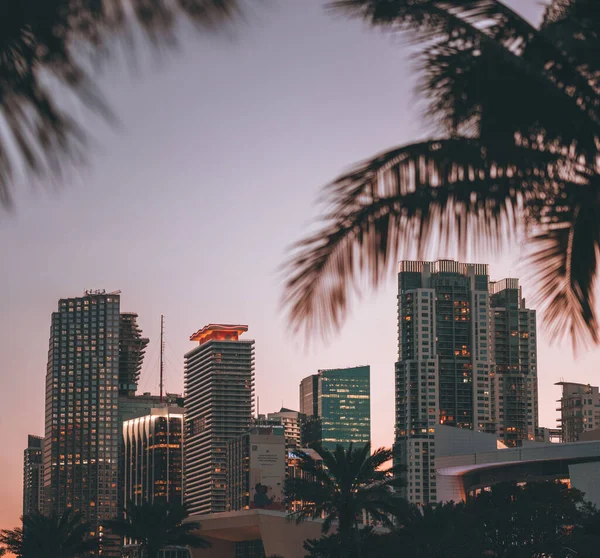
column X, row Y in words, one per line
column 586, row 477
column 279, row 535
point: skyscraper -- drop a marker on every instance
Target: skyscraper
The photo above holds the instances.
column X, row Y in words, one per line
column 219, row 396
column 342, row 399
column 154, row 456
column 132, row 347
column 466, row 358
column 33, row 481
column 82, row 383
column 512, row 336
column 309, row 396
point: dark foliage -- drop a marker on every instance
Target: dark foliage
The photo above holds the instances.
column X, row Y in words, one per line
column 538, row 520
column 348, row 482
column 535, row 520
column 157, row 525
column 518, row 113
column 44, row 49
column 54, row 536
column 368, row 545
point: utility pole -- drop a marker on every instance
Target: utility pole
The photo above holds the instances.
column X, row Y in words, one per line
column 162, row 350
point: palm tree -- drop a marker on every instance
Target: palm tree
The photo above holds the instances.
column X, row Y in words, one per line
column 37, row 39
column 53, row 536
column 156, row 525
column 517, row 108
column 347, row 483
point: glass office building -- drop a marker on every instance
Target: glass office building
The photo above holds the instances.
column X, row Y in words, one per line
column 342, row 398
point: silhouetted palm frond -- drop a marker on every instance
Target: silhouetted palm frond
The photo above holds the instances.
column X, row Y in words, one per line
column 520, row 118
column 346, row 483
column 54, row 536
column 156, row 525
column 37, row 60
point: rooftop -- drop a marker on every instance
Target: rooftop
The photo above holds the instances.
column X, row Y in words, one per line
column 218, row 332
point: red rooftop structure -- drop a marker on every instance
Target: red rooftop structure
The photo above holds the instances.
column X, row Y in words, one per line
column 218, row 332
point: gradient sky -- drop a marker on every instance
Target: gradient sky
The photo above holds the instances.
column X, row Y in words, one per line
column 189, row 207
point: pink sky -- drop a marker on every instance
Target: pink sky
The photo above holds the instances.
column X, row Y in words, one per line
column 188, row 209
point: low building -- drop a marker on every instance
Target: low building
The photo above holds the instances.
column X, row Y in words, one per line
column 256, row 462
column 468, row 462
column 253, row 534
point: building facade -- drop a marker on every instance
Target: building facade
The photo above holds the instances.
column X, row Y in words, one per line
column 466, row 359
column 132, row 347
column 309, row 396
column 219, row 396
column 579, row 410
column 81, row 444
column 153, row 469
column 33, row 481
column 514, row 384
column 256, row 469
column 342, row 398
column 291, row 422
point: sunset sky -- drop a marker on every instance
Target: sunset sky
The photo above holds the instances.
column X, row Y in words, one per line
column 189, row 206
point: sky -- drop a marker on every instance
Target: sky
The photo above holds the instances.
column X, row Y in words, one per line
column 189, row 206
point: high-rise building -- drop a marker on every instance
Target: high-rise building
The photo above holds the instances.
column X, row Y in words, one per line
column 342, row 398
column 512, row 336
column 219, row 397
column 579, row 410
column 33, row 481
column 256, row 469
column 291, row 422
column 154, row 456
column 466, row 358
column 81, row 444
column 132, row 347
column 309, row 396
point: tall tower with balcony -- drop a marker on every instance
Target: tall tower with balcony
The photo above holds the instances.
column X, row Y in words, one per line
column 219, row 396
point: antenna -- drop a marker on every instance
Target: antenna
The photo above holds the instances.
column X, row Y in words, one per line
column 257, row 406
column 162, row 350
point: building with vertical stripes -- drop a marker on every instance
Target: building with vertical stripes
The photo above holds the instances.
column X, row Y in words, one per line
column 154, row 456
column 219, row 396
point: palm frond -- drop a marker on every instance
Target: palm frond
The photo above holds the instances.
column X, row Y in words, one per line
column 156, row 525
column 37, row 38
column 419, row 197
column 564, row 260
column 12, row 539
column 475, row 24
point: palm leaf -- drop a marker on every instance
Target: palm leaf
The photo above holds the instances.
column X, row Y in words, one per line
column 420, row 197
column 486, row 24
column 36, row 61
column 523, row 116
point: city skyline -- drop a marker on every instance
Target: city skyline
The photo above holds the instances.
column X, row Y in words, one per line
column 153, row 212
